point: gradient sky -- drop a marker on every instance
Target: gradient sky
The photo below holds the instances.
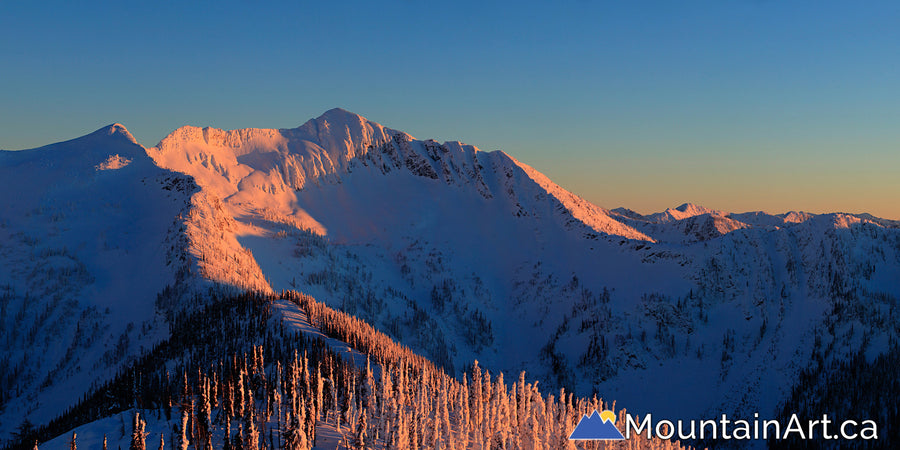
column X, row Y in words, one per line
column 736, row 105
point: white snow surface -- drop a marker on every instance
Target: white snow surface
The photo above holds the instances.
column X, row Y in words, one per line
column 83, row 253
column 433, row 244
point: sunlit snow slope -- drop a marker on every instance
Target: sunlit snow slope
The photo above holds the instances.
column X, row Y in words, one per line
column 458, row 253
column 467, row 254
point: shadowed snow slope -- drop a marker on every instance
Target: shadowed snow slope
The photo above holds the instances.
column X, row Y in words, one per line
column 458, row 253
column 86, row 243
column 462, row 254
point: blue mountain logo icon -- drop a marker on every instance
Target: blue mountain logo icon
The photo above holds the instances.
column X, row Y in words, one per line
column 597, row 427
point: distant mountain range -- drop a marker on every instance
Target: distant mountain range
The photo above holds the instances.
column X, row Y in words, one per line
column 458, row 253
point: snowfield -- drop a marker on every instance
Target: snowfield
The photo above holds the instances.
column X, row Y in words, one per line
column 457, row 253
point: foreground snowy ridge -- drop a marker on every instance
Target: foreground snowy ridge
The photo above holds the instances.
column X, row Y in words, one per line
column 457, row 253
column 289, row 386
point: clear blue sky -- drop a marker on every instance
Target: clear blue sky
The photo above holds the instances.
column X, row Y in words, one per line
column 738, row 105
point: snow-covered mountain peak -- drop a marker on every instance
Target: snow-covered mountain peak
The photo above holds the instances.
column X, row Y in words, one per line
column 118, row 128
column 683, row 211
column 321, row 147
column 115, row 131
column 108, row 134
column 265, row 167
column 339, row 118
column 459, row 252
column 343, row 134
column 693, row 209
column 90, row 233
column 797, row 217
column 106, row 148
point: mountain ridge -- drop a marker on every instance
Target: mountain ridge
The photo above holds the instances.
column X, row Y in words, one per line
column 458, row 253
column 342, row 118
column 330, row 146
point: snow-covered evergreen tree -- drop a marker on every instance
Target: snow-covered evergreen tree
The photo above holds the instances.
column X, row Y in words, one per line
column 183, row 439
column 251, row 437
column 227, row 438
column 476, row 405
column 204, row 415
column 138, row 436
column 361, row 436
